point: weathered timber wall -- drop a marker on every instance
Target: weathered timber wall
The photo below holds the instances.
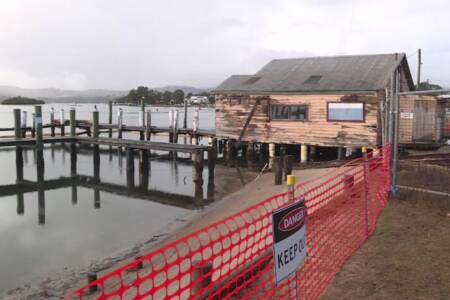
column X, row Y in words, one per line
column 232, row 112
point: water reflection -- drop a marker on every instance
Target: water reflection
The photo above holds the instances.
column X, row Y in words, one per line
column 143, row 191
column 154, row 191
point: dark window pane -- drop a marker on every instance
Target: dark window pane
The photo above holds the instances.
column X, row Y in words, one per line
column 280, row 112
column 298, row 112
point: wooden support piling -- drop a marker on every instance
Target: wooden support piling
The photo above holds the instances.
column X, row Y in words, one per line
column 278, row 169
column 17, row 129
column 24, row 123
column 52, row 121
column 72, row 122
column 95, row 131
column 19, row 178
column 212, row 157
column 110, row 112
column 33, row 125
column 119, row 123
column 38, row 121
column 73, row 159
column 303, row 153
column 142, row 120
column 62, row 121
column 144, row 169
column 231, row 150
column 185, row 114
column 175, row 127
column 288, row 164
column 198, row 175
column 148, row 125
column 130, row 167
column 340, row 153
column 40, row 179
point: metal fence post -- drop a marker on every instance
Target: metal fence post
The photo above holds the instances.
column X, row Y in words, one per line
column 366, row 190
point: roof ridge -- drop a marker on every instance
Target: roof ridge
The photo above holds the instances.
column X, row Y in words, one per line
column 340, row 56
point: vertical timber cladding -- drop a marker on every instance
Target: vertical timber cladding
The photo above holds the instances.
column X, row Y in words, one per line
column 232, row 112
column 421, row 119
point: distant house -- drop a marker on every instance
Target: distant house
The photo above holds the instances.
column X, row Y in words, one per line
column 337, row 101
column 198, row 100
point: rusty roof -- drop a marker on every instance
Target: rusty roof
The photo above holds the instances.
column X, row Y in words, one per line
column 317, row 74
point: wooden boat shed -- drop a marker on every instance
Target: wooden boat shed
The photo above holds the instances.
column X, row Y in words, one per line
column 337, row 101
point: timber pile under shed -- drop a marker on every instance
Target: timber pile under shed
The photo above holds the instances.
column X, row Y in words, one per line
column 336, row 101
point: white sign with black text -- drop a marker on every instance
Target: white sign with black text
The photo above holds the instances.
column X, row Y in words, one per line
column 289, row 239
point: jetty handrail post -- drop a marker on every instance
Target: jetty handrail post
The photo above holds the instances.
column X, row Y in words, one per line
column 110, row 118
column 62, row 121
column 119, row 123
column 52, row 121
column 148, row 125
column 290, row 180
column 24, row 123
column 17, row 129
column 38, row 126
column 142, row 120
column 95, row 132
column 72, row 121
column 33, row 125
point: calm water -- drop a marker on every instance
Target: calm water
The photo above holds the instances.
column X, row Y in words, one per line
column 73, row 222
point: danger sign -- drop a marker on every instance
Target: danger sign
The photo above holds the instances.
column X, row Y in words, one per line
column 289, row 239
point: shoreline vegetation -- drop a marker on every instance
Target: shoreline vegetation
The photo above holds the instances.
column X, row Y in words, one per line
column 22, row 101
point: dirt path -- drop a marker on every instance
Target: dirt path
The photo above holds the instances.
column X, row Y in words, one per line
column 408, row 257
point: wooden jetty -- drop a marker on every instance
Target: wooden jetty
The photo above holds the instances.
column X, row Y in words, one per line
column 93, row 128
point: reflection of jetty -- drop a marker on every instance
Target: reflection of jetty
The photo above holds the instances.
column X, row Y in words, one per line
column 75, row 180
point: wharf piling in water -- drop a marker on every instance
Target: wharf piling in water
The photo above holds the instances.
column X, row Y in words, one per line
column 17, row 128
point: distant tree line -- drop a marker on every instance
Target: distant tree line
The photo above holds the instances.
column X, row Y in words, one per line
column 22, row 101
column 427, row 85
column 153, row 97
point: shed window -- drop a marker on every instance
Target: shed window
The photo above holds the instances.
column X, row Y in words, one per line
column 291, row 112
column 339, row 111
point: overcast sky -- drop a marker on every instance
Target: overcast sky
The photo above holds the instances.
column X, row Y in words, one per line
column 119, row 44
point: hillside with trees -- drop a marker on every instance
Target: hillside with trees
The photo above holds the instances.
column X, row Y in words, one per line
column 155, row 97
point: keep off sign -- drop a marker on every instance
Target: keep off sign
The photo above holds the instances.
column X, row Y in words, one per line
column 289, row 239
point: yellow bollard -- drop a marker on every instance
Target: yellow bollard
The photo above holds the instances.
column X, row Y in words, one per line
column 290, row 179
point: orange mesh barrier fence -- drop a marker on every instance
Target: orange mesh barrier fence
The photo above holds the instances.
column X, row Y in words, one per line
column 233, row 258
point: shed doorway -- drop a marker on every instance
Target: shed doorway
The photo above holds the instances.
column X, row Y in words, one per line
column 424, row 121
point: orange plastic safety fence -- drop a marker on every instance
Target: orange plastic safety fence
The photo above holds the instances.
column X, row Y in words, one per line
column 233, row 259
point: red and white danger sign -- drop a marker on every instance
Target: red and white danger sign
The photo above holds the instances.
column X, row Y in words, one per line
column 289, row 239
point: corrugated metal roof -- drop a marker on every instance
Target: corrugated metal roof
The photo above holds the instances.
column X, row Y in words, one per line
column 333, row 73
